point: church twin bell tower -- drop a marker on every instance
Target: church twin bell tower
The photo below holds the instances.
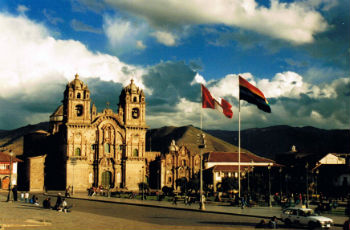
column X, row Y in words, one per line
column 101, row 148
column 76, row 102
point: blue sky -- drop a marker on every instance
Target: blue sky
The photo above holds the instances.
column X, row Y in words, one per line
column 297, row 53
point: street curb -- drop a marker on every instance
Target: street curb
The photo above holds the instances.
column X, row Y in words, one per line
column 177, row 208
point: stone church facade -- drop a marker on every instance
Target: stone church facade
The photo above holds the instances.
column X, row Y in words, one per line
column 100, row 149
column 178, row 163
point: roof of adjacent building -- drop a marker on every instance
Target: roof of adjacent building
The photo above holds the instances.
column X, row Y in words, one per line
column 5, row 157
column 233, row 157
column 227, row 168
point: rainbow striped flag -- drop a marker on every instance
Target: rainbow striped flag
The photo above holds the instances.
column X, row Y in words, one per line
column 253, row 95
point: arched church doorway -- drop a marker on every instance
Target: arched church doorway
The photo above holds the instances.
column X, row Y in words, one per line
column 106, row 179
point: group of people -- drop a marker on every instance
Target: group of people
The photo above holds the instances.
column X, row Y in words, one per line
column 61, row 204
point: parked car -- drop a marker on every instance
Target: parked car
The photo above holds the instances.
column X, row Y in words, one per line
column 305, row 217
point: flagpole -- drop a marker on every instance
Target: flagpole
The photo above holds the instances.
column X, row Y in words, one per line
column 239, row 143
column 201, row 139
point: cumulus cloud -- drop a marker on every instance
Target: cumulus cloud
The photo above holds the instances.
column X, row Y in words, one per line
column 124, row 35
column 165, row 38
column 22, row 9
column 293, row 22
column 34, row 67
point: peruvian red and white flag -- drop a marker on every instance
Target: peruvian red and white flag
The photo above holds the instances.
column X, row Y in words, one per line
column 209, row 102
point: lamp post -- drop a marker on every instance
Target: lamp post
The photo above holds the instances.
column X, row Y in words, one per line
column 269, row 168
column 73, row 162
column 280, row 171
column 9, row 197
column 307, row 185
column 317, row 172
column 143, row 173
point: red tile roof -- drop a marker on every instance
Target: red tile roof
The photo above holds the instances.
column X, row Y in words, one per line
column 228, row 168
column 233, row 157
column 4, row 157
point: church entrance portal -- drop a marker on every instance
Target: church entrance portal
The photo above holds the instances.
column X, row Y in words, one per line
column 106, row 179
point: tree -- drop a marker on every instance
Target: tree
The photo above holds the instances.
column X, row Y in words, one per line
column 227, row 184
column 183, row 184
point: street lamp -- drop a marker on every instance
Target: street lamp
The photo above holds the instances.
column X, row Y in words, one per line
column 9, row 198
column 307, row 185
column 269, row 168
column 143, row 173
column 317, row 172
column 280, row 171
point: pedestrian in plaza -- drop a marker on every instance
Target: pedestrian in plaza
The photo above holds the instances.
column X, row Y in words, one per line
column 26, row 197
column 14, row 191
column 346, row 225
column 273, row 222
column 22, row 196
column 47, row 203
column 175, row 200
column 67, row 193
column 64, row 206
column 58, row 201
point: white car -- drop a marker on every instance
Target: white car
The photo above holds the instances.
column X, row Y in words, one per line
column 305, row 217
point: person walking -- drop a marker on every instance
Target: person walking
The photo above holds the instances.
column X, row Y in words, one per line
column 14, row 191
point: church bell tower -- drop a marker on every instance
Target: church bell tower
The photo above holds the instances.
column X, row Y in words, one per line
column 133, row 106
column 76, row 102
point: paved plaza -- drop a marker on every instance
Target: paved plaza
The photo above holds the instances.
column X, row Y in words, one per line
column 20, row 215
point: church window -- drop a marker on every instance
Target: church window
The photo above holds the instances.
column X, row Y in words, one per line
column 79, row 110
column 184, row 163
column 135, row 99
column 107, row 148
column 169, row 179
column 136, row 153
column 77, row 152
column 78, row 95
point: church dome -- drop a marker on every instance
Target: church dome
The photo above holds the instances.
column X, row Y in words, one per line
column 77, row 83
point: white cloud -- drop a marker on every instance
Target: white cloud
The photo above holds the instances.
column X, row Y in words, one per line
column 165, row 38
column 123, row 35
column 31, row 59
column 294, row 22
column 287, row 84
column 22, row 9
column 140, row 45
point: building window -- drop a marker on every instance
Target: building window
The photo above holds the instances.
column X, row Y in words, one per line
column 135, row 99
column 135, row 153
column 107, row 148
column 169, row 179
column 77, row 152
column 79, row 110
column 184, row 163
column 78, row 95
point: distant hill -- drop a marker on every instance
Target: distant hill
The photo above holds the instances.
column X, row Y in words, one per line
column 13, row 139
column 266, row 142
column 160, row 139
column 279, row 139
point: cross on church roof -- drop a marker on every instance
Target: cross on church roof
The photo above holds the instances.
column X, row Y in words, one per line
column 107, row 104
